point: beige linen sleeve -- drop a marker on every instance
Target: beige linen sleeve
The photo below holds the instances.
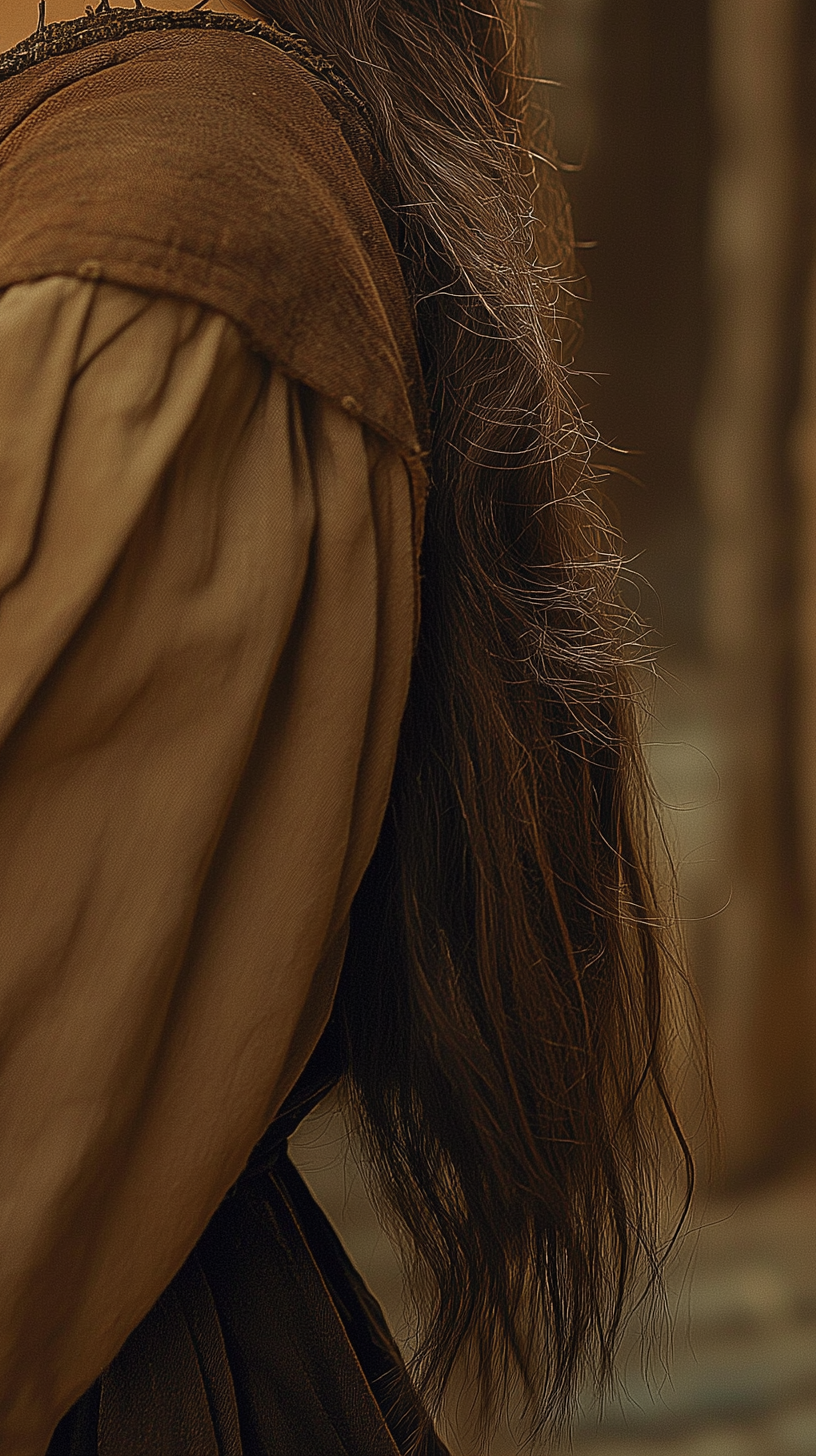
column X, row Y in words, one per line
column 206, row 617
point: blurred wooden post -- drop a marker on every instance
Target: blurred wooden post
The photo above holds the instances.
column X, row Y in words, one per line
column 804, row 466
column 757, row 1011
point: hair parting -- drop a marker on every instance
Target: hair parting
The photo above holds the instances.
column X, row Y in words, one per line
column 510, row 993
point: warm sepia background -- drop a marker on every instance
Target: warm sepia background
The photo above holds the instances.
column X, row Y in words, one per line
column 689, row 131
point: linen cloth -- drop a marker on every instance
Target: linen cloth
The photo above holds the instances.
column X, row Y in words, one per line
column 207, row 611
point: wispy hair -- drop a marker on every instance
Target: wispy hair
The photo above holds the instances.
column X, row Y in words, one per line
column 509, row 993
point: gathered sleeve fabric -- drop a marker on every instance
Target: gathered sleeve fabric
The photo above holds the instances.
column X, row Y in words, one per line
column 206, row 625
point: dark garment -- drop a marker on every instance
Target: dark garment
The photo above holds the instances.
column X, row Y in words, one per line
column 267, row 1343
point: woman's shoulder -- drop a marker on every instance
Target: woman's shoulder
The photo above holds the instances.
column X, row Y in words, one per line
column 181, row 97
column 202, row 160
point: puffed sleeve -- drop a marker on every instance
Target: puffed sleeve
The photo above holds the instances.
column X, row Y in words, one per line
column 206, row 623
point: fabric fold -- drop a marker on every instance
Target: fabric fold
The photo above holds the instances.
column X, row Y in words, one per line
column 205, row 648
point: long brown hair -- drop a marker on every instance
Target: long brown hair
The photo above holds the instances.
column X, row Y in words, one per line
column 509, row 973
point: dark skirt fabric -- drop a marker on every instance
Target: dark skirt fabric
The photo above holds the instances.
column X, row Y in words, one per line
column 267, row 1343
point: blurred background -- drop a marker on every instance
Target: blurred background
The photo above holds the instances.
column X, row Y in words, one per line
column 687, row 129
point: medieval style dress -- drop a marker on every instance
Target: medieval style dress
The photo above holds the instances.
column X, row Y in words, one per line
column 211, row 493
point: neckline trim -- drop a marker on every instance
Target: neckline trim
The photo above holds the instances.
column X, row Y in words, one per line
column 109, row 22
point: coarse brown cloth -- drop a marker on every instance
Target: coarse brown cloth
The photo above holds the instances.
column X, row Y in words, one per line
column 211, row 488
column 204, row 162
